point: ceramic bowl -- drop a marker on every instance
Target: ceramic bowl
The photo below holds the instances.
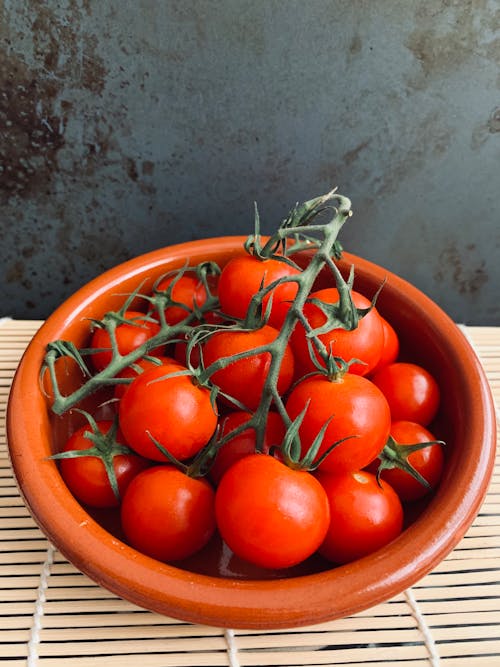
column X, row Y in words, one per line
column 215, row 588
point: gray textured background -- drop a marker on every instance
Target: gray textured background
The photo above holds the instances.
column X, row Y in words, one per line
column 126, row 126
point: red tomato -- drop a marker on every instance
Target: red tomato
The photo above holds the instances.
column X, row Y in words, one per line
column 411, row 391
column 390, row 350
column 244, row 443
column 167, row 515
column 364, row 343
column 242, row 277
column 175, row 411
column 365, row 515
column 244, row 379
column 429, row 461
column 128, row 337
column 356, row 408
column 189, row 291
column 269, row 514
column 86, row 476
column 140, row 366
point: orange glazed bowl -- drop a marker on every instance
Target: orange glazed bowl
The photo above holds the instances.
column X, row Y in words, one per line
column 214, row 588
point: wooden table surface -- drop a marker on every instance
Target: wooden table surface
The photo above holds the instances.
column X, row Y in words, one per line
column 52, row 615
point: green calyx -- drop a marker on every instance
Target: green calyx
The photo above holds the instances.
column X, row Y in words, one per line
column 290, row 450
column 104, row 447
column 199, row 465
column 162, row 299
column 395, row 455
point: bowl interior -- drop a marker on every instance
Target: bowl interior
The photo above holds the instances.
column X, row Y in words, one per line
column 229, row 591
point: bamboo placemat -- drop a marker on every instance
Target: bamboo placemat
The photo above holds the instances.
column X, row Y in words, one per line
column 51, row 615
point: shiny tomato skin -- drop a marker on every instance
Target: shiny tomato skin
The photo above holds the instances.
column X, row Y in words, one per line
column 269, row 514
column 128, row 336
column 356, row 407
column 188, row 290
column 244, row 379
column 140, row 366
column 174, row 410
column 167, row 515
column 243, row 443
column 242, row 277
column 86, row 476
column 364, row 515
column 364, row 343
column 391, row 346
column 429, row 461
column 411, row 391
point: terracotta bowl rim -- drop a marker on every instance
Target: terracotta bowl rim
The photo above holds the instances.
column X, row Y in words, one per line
column 198, row 598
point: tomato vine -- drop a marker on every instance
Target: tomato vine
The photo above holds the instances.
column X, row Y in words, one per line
column 305, row 228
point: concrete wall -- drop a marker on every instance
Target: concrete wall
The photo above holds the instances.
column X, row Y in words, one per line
column 128, row 125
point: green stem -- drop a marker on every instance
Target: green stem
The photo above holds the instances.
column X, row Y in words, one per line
column 295, row 225
column 108, row 375
column 305, row 281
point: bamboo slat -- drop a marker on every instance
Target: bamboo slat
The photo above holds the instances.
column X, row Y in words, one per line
column 449, row 618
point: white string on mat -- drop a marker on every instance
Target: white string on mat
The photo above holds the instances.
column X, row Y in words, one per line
column 232, row 648
column 423, row 627
column 4, row 320
column 36, row 626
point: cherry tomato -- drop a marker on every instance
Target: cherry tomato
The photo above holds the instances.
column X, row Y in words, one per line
column 188, row 290
column 168, row 515
column 411, row 391
column 364, row 343
column 242, row 277
column 86, row 476
column 175, row 411
column 390, row 350
column 356, row 408
column 429, row 461
column 140, row 366
column 244, row 443
column 128, row 338
column 365, row 515
column 244, row 379
column 269, row 514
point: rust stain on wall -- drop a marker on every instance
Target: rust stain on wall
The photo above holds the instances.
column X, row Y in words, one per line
column 448, row 34
column 31, row 131
column 352, row 155
column 459, row 268
column 66, row 51
column 33, row 108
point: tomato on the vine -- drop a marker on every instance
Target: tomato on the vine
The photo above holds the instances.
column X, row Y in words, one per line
column 243, row 443
column 364, row 343
column 269, row 514
column 427, row 462
column 168, row 515
column 86, row 476
column 244, row 378
column 365, row 515
column 129, row 336
column 171, row 409
column 242, row 277
column 412, row 392
column 140, row 366
column 358, row 411
column 188, row 291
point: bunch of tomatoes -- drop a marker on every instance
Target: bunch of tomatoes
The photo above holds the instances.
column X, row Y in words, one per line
column 281, row 430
